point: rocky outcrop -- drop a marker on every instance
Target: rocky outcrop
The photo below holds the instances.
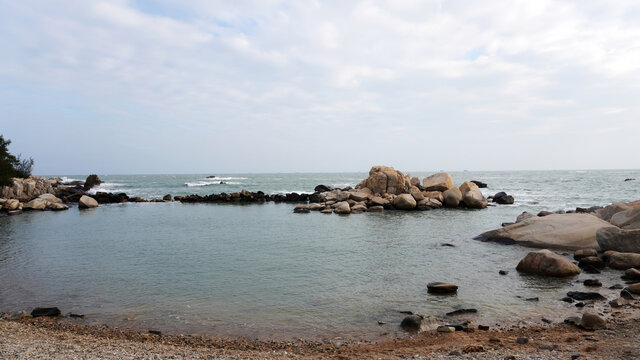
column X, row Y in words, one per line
column 438, row 182
column 87, row 202
column 91, row 181
column 559, row 231
column 547, row 263
column 385, row 180
column 27, row 189
column 472, row 196
column 613, row 238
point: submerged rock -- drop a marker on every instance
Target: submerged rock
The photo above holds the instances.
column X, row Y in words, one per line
column 582, row 295
column 416, row 323
column 45, row 311
column 441, row 288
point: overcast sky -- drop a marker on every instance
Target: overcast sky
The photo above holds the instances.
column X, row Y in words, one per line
column 201, row 86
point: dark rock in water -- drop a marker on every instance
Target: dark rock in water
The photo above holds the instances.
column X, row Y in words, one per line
column 594, row 261
column 588, row 210
column 626, row 294
column 110, row 198
column 503, row 272
column 567, row 299
column 629, row 179
column 583, row 253
column 544, row 213
column 167, row 197
column 322, row 188
column 504, row 224
column 211, row 177
column 631, row 274
column 579, row 304
column 48, row 311
column 483, row 327
column 412, row 323
column 301, row 209
column 503, row 199
column 592, row 283
column 580, row 295
column 407, row 312
column 461, row 311
column 616, row 287
column 92, row 180
column 532, row 299
column 447, row 245
column 480, row 184
column 546, row 321
column 442, row 288
column 155, row 332
column 590, row 269
column 573, row 320
column 78, row 316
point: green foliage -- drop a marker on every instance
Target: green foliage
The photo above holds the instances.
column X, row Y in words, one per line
column 12, row 166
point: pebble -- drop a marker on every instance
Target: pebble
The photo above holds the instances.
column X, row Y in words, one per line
column 522, row 340
column 446, row 329
column 503, row 272
column 592, row 283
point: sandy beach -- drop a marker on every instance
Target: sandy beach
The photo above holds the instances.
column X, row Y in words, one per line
column 44, row 338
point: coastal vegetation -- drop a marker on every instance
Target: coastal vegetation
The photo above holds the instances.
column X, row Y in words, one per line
column 12, row 166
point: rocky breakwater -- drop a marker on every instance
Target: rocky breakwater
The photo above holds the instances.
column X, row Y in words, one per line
column 389, row 189
column 243, row 196
column 32, row 193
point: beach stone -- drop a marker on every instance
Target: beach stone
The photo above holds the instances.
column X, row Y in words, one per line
column 87, row 202
column 624, row 261
column 415, row 181
column 327, row 211
column 592, row 321
column 58, row 206
column 544, row 213
column 522, row 340
column 50, row 198
column 359, row 196
column 452, row 197
column 301, row 209
column 560, row 231
column 438, row 195
column 446, row 329
column 618, row 303
column 582, row 295
column 45, row 311
column 524, row 216
column 632, row 274
column 438, row 182
column 567, row 299
column 592, row 283
column 417, row 194
column 547, row 263
column 11, row 204
column 35, row 204
column 621, row 240
column 591, row 261
column 608, row 211
column 428, row 204
column 404, row 202
column 480, row 184
column 316, row 207
column 503, row 199
column 441, row 288
column 167, row 197
column 583, row 253
column 378, row 201
column 628, row 219
column 503, row 272
column 375, row 209
column 462, row 312
column 634, row 288
column 385, row 179
column 472, row 196
column 417, row 323
column 342, row 208
column 91, row 181
column 322, row 188
column 358, row 208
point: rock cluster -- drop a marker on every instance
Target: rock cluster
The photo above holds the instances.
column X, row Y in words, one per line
column 388, row 188
column 42, row 202
column 25, row 190
column 243, row 196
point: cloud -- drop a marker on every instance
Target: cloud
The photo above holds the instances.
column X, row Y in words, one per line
column 253, row 74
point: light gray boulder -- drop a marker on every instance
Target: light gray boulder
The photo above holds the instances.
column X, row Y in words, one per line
column 87, row 202
column 628, row 219
column 438, row 182
column 613, row 238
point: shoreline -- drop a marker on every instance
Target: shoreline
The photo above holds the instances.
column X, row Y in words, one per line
column 51, row 338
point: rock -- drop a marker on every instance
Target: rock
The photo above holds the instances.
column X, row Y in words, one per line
column 47, row 311
column 522, row 340
column 506, row 224
column 592, row 321
column 582, row 295
column 472, row 196
column 438, row 182
column 358, row 208
column 617, row 239
column 416, row 323
column 35, row 204
column 446, row 329
column 91, row 181
column 583, row 253
column 441, row 288
column 634, row 288
column 503, row 199
column 626, row 294
column 461, row 312
column 342, row 208
column 327, row 211
column 378, row 201
column 359, row 196
column 404, row 202
column 567, row 299
column 524, row 216
column 11, row 204
column 483, row 327
column 428, row 204
column 438, row 195
column 375, row 209
column 544, row 213
column 616, row 287
column 414, row 181
column 592, row 283
column 385, row 179
column 547, row 263
column 167, row 197
column 632, row 274
column 452, row 197
column 58, row 206
column 623, row 261
column 316, row 207
column 87, row 202
column 619, row 302
column 480, row 184
column 560, row 231
column 322, row 188
column 608, row 211
column 628, row 219
column 503, row 272
column 591, row 261
column 50, row 198
column 301, row 209
column 548, row 347
column 590, row 269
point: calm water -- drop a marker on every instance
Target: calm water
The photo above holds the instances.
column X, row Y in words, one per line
column 262, row 271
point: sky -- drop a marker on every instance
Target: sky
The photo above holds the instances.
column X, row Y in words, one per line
column 199, row 86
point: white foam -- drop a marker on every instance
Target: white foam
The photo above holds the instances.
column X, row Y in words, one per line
column 106, row 187
column 67, row 180
column 224, row 178
column 284, row 192
column 210, row 183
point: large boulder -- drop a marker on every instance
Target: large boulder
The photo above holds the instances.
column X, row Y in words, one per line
column 50, row 198
column 404, row 202
column 359, row 195
column 11, row 204
column 91, row 181
column 35, row 204
column 87, row 202
column 503, row 199
column 378, row 201
column 559, row 231
column 385, row 179
column 623, row 261
column 608, row 211
column 342, row 208
column 613, row 238
column 547, row 263
column 452, row 197
column 628, row 219
column 472, row 196
column 438, row 182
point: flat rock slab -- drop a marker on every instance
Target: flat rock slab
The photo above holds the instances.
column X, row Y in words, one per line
column 46, row 311
column 556, row 231
column 442, row 288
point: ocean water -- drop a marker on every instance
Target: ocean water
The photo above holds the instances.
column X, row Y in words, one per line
column 261, row 271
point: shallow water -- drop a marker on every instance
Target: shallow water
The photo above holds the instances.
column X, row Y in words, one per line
column 261, row 271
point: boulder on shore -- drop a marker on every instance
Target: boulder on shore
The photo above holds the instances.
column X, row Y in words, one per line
column 623, row 261
column 547, row 263
column 87, row 202
column 438, row 182
column 472, row 196
column 617, row 239
column 559, row 231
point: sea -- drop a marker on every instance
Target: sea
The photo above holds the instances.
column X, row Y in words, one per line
column 261, row 271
